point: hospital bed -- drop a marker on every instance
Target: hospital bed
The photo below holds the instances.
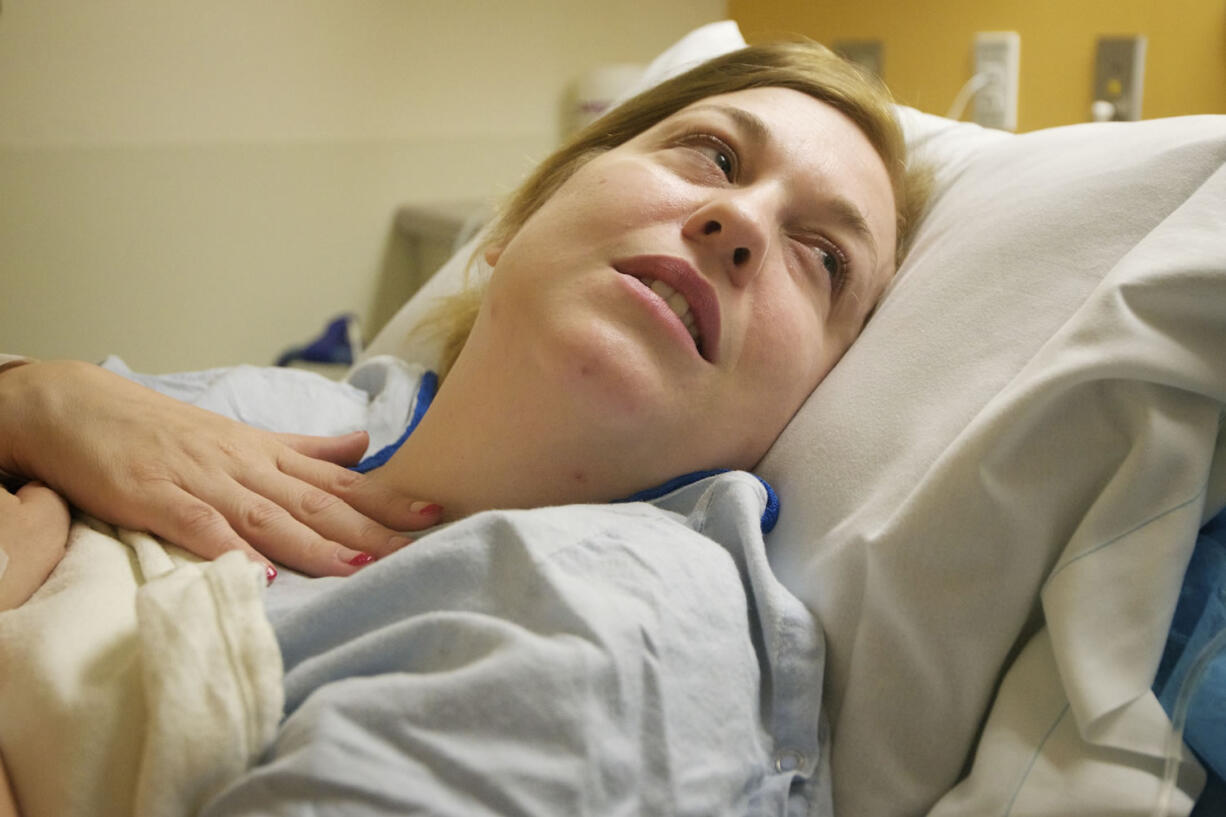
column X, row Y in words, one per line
column 991, row 501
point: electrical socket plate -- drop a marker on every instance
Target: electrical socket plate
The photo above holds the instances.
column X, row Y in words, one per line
column 1119, row 74
column 998, row 60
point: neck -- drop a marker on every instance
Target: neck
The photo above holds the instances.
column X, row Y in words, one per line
column 500, row 435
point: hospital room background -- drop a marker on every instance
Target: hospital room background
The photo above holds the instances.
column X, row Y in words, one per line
column 196, row 184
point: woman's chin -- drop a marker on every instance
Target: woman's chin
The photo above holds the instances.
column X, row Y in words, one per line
column 616, row 375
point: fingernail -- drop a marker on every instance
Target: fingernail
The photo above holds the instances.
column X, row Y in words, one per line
column 361, row 559
column 271, row 573
column 426, row 508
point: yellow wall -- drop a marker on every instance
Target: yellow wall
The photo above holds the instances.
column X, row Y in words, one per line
column 928, row 47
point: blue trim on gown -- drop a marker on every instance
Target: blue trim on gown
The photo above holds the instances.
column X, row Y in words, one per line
column 425, row 396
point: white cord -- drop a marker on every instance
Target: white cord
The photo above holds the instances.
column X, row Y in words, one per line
column 1179, row 718
column 969, row 89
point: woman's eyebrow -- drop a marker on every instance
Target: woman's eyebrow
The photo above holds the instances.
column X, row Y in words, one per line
column 749, row 124
column 845, row 213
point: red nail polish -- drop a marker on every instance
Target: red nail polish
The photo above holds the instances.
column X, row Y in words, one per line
column 361, row 559
column 271, row 573
column 431, row 510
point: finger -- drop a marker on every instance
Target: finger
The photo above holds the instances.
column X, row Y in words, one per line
column 326, row 514
column 34, row 536
column 369, row 497
column 46, row 506
column 275, row 533
column 197, row 526
column 345, row 449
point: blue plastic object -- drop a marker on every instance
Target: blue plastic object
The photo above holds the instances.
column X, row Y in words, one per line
column 339, row 343
column 1199, row 617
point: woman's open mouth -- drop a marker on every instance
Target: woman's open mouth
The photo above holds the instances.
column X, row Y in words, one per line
column 686, row 293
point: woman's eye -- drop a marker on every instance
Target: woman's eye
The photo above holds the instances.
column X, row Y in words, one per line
column 720, row 154
column 724, row 162
column 830, row 261
column 835, row 264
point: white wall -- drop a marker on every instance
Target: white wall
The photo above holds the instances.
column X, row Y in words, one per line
column 192, row 184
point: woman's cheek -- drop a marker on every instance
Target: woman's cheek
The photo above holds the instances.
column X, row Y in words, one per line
column 796, row 338
column 638, row 191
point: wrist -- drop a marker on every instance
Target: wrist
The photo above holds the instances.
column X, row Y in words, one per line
column 18, row 393
column 8, row 425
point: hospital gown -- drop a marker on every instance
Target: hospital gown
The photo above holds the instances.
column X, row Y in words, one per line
column 634, row 658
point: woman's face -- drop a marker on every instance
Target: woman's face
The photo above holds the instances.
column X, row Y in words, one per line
column 691, row 287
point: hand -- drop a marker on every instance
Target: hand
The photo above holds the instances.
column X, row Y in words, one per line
column 142, row 460
column 33, row 533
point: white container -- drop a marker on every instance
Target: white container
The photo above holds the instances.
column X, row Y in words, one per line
column 595, row 92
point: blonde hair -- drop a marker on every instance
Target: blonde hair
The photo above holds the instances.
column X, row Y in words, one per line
column 802, row 66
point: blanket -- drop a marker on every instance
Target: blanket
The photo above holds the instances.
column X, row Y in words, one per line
column 137, row 681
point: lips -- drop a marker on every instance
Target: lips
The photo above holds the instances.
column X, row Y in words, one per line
column 673, row 279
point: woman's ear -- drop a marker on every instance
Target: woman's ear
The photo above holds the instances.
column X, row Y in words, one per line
column 493, row 252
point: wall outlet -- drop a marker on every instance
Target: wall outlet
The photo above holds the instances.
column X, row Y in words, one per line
column 997, row 60
column 1119, row 74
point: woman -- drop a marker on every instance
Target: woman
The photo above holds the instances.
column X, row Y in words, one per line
column 217, row 486
column 666, row 291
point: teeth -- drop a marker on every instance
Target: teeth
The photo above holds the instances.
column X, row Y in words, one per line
column 662, row 289
column 677, row 303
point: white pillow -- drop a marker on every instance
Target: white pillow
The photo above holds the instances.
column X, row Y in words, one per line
column 1034, row 409
column 946, row 146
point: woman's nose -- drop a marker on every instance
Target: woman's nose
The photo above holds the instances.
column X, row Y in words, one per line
column 732, row 231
